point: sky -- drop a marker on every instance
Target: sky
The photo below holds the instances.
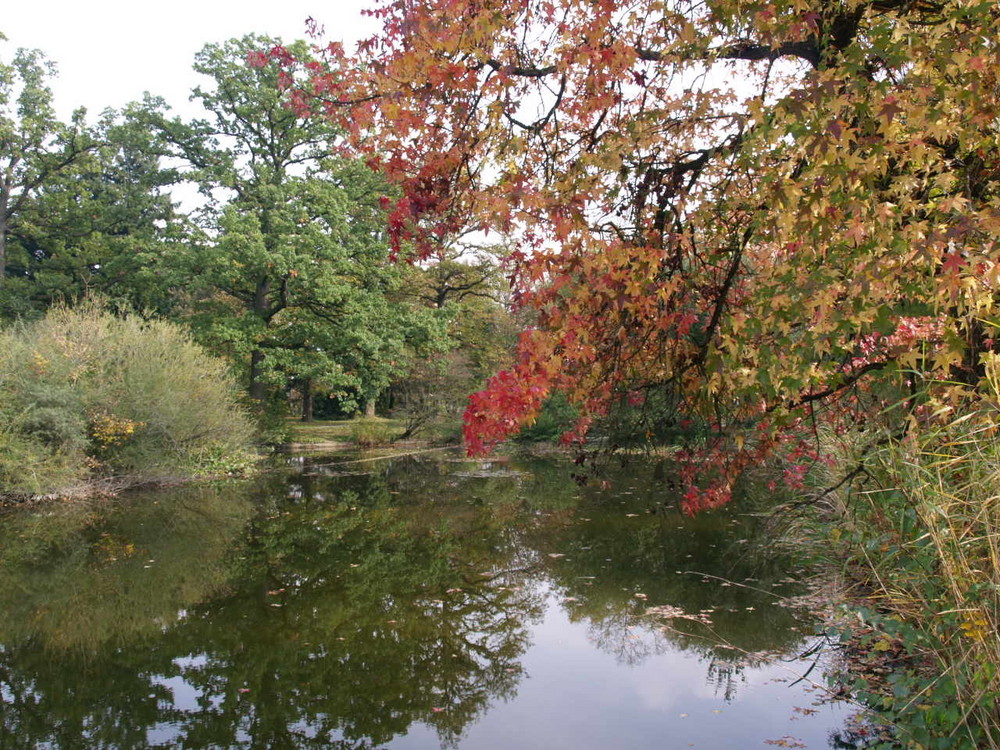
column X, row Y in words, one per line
column 109, row 52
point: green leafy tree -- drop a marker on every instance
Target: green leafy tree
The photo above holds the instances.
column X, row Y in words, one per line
column 101, row 225
column 35, row 147
column 290, row 272
column 469, row 287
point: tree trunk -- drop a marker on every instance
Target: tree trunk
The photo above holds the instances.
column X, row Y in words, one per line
column 257, row 389
column 3, row 236
column 307, row 400
column 370, row 408
column 260, row 309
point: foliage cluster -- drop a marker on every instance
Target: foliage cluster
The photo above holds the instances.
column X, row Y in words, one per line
column 289, row 269
column 82, row 204
column 470, row 295
column 918, row 532
column 757, row 209
column 556, row 416
column 283, row 267
column 87, row 395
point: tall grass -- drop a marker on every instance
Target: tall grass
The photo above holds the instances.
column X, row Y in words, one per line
column 87, row 395
column 373, row 432
column 922, row 539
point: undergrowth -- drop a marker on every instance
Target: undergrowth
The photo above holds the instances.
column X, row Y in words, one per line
column 918, row 536
column 86, row 396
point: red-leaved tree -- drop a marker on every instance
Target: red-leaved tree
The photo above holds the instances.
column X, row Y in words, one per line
column 750, row 213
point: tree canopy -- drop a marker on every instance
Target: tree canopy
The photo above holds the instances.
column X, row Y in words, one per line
column 35, row 146
column 291, row 272
column 83, row 207
column 752, row 214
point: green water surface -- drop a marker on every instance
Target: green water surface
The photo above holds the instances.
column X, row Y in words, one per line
column 357, row 602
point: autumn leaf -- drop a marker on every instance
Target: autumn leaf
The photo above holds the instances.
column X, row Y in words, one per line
column 740, row 252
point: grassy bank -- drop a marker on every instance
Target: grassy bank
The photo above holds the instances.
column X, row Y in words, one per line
column 917, row 537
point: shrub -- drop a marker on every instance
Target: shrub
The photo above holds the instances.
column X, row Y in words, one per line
column 372, row 432
column 556, row 417
column 922, row 537
column 85, row 394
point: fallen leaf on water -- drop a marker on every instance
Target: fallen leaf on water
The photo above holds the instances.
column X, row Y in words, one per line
column 786, row 741
column 669, row 612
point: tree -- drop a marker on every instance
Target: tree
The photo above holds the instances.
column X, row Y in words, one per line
column 291, row 272
column 35, row 147
column 467, row 285
column 102, row 225
column 758, row 214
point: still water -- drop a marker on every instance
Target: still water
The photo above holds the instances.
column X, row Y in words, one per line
column 426, row 602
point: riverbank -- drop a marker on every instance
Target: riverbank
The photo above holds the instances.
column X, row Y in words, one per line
column 915, row 536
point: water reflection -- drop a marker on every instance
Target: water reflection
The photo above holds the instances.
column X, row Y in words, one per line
column 352, row 603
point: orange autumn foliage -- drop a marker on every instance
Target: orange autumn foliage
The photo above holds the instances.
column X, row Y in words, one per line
column 759, row 208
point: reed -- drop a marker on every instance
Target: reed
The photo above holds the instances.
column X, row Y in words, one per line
column 921, row 533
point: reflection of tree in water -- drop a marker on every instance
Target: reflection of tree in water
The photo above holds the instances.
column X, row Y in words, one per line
column 626, row 637
column 341, row 605
column 80, row 577
column 612, row 560
column 724, row 675
column 347, row 617
column 367, row 617
column 87, row 592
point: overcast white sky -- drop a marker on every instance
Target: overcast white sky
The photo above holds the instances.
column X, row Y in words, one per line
column 110, row 51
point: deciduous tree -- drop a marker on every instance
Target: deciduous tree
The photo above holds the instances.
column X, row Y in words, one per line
column 102, row 224
column 753, row 211
column 35, row 147
column 291, row 273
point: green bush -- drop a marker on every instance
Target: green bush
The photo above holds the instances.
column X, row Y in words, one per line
column 85, row 394
column 372, row 432
column 556, row 417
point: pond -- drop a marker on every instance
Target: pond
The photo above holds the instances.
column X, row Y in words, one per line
column 352, row 601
